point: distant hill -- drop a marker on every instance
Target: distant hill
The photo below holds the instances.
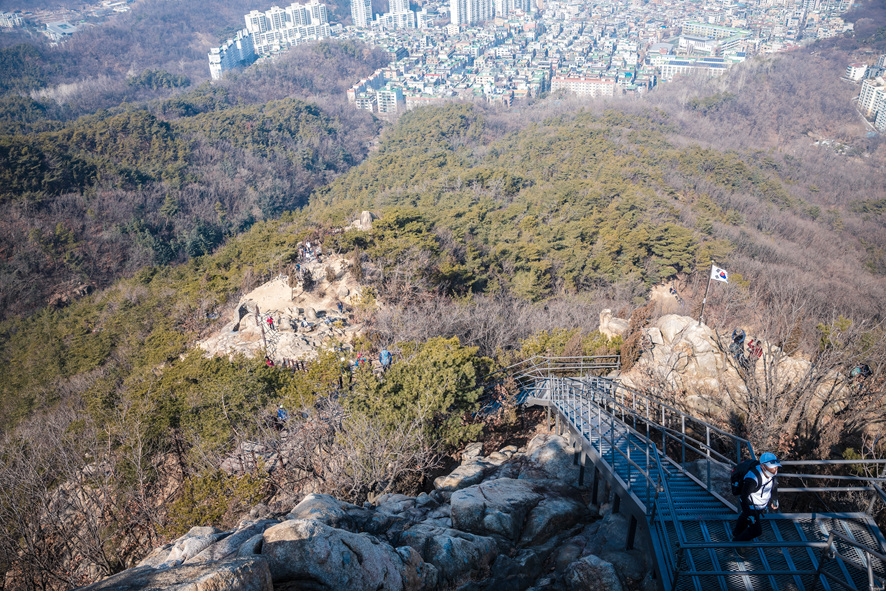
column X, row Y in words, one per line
column 87, row 200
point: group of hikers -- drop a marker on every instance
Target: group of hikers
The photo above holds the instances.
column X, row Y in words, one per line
column 385, row 358
column 746, row 358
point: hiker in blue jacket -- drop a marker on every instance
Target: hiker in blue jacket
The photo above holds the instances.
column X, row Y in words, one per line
column 759, row 492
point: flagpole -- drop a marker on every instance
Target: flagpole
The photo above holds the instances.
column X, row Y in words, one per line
column 705, row 298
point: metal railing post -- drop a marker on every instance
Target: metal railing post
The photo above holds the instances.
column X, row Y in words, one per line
column 707, row 429
column 683, row 440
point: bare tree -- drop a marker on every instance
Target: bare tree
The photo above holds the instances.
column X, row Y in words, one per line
column 800, row 395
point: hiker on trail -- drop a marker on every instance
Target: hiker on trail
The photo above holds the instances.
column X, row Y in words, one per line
column 271, row 322
column 736, row 348
column 268, row 361
column 341, row 307
column 281, row 418
column 385, row 359
column 861, row 372
column 759, row 492
column 755, row 349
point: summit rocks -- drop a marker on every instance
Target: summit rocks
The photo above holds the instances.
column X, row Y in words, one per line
column 513, row 519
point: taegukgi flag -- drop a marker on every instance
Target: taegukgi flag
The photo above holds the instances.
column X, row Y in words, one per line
column 719, row 274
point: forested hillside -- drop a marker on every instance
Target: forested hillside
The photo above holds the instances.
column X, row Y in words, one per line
column 581, row 200
column 87, row 200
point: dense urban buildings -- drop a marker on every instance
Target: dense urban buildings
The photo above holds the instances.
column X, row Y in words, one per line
column 11, row 19
column 505, row 50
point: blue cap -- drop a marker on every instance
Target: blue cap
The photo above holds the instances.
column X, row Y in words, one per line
column 770, row 460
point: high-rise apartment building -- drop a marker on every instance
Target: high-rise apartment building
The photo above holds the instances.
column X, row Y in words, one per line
column 280, row 28
column 361, row 13
column 234, row 54
column 871, row 97
column 469, row 12
column 395, row 6
column 505, row 8
column 398, row 16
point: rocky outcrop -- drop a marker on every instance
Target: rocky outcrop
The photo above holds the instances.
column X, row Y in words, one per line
column 511, row 520
column 612, row 326
column 325, row 557
column 302, row 320
column 239, row 574
column 364, row 222
column 686, row 356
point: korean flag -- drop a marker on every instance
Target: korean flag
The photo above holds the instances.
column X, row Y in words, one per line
column 719, row 274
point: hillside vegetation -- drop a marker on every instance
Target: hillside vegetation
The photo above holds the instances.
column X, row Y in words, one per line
column 577, row 201
column 500, row 235
column 88, row 200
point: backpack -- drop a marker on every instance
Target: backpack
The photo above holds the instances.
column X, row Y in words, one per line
column 736, row 477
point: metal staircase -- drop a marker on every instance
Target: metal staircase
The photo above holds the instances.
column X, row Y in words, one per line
column 662, row 466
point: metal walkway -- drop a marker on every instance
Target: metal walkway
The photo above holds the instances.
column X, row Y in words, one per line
column 665, row 467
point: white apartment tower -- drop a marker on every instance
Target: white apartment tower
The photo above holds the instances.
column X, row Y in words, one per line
column 505, row 8
column 469, row 12
column 871, row 96
column 280, row 28
column 398, row 16
column 361, row 13
column 234, row 54
column 395, row 6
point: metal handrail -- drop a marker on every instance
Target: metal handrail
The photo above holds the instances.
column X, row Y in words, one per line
column 830, row 552
column 740, row 442
column 681, row 534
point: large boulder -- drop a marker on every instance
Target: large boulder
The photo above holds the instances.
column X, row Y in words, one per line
column 612, row 326
column 189, row 545
column 555, row 456
column 497, row 507
column 323, row 557
column 229, row 546
column 239, row 574
column 341, row 515
column 454, row 553
column 591, row 573
column 551, row 516
column 330, row 511
column 469, row 473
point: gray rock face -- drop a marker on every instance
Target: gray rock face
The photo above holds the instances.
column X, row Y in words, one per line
column 591, row 573
column 229, row 546
column 519, row 524
column 323, row 557
column 240, row 574
column 498, row 507
column 454, row 553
